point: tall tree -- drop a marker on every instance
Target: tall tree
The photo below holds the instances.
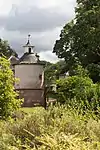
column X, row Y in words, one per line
column 6, row 50
column 80, row 39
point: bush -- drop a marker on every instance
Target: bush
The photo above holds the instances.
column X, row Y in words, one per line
column 79, row 90
column 8, row 97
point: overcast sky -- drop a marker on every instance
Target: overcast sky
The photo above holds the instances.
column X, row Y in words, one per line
column 43, row 19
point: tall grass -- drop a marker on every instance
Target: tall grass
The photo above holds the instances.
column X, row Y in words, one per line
column 58, row 128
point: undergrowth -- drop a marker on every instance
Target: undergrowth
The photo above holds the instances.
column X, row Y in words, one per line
column 57, row 128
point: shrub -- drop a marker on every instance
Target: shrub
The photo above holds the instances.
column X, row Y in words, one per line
column 8, row 97
column 79, row 91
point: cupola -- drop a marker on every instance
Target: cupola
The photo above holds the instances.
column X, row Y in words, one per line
column 29, row 56
column 28, row 47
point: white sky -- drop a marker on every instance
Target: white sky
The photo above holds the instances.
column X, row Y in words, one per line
column 44, row 38
column 6, row 5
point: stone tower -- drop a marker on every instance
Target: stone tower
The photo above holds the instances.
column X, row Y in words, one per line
column 30, row 72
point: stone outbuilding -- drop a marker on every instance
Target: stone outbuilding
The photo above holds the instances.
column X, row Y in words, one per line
column 30, row 72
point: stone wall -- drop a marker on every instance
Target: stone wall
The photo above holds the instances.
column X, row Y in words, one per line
column 32, row 97
column 29, row 76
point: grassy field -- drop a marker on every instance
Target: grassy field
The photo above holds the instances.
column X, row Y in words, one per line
column 57, row 128
column 29, row 110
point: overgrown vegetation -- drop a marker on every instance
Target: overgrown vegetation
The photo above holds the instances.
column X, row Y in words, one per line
column 56, row 128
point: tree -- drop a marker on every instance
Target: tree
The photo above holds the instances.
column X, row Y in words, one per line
column 79, row 71
column 6, row 50
column 8, row 97
column 60, row 68
column 79, row 41
column 52, row 71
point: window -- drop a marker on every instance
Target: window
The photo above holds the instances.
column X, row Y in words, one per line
column 29, row 50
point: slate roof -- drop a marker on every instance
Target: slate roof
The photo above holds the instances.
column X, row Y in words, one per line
column 13, row 60
column 28, row 58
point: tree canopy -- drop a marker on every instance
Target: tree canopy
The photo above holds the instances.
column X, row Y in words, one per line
column 53, row 71
column 6, row 50
column 79, row 41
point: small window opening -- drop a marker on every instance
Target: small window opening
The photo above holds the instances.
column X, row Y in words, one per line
column 29, row 50
column 40, row 76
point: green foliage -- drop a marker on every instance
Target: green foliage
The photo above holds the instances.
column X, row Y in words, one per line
column 79, row 39
column 49, row 73
column 94, row 72
column 52, row 71
column 79, row 91
column 6, row 50
column 8, row 97
column 78, row 70
column 60, row 68
column 57, row 128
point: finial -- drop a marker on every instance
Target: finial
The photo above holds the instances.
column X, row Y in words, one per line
column 29, row 36
column 28, row 42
